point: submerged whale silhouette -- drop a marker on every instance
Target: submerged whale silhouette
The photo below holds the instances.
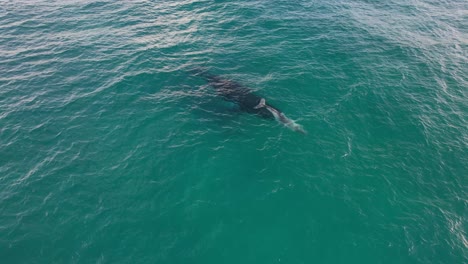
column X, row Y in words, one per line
column 247, row 100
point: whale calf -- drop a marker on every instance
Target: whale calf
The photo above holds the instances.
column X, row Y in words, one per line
column 247, row 100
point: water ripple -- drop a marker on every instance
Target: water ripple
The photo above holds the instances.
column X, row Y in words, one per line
column 107, row 140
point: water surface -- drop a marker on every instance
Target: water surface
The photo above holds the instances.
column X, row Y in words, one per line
column 112, row 152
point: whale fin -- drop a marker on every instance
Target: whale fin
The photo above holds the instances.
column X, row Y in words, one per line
column 261, row 104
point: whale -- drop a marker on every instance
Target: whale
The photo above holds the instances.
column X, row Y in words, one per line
column 247, row 100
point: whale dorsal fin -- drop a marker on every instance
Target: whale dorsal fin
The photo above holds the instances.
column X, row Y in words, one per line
column 261, row 104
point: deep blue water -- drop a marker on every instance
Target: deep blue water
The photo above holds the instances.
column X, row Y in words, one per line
column 113, row 151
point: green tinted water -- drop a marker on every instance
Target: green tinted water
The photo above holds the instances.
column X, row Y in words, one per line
column 111, row 152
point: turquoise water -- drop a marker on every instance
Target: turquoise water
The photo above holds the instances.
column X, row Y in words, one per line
column 112, row 152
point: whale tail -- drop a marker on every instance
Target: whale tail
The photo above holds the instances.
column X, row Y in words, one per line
column 282, row 118
column 261, row 104
column 289, row 123
column 296, row 127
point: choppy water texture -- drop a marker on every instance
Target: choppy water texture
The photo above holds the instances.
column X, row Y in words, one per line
column 112, row 152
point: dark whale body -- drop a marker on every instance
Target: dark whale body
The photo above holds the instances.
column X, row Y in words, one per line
column 247, row 100
column 234, row 92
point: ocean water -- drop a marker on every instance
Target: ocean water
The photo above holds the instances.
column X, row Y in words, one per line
column 111, row 151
